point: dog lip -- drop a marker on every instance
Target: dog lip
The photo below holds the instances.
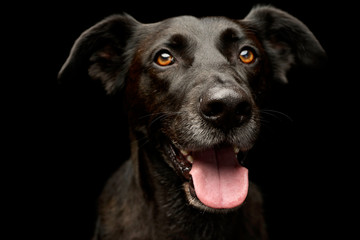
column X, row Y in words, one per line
column 181, row 161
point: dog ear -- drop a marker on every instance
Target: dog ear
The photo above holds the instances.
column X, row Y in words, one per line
column 100, row 53
column 286, row 40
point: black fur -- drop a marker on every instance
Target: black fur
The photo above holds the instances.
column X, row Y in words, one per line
column 149, row 196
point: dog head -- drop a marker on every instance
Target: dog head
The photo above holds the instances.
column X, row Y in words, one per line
column 192, row 86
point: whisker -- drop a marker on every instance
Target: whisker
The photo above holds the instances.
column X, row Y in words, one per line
column 163, row 115
column 276, row 114
column 160, row 113
column 159, row 116
column 150, row 115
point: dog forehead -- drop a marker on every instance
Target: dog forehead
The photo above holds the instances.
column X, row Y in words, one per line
column 199, row 27
column 196, row 30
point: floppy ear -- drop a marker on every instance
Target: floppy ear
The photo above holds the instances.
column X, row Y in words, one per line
column 101, row 52
column 286, row 40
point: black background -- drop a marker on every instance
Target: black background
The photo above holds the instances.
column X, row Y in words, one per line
column 64, row 145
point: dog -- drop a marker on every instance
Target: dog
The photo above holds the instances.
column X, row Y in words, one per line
column 192, row 90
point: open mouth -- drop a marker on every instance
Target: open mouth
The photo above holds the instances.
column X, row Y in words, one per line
column 214, row 177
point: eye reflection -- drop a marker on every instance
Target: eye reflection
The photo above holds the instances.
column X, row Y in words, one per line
column 247, row 56
column 164, row 58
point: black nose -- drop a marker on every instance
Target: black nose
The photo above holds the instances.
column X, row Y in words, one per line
column 225, row 108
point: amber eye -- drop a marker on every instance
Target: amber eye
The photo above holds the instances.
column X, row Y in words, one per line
column 247, row 56
column 164, row 58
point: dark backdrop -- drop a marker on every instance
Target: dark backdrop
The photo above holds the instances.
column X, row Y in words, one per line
column 76, row 140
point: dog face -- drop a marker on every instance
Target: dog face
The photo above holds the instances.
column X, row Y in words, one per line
column 198, row 77
column 192, row 87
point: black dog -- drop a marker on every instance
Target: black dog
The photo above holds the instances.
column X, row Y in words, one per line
column 191, row 89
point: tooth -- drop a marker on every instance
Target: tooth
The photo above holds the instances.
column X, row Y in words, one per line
column 190, row 159
column 236, row 150
column 185, row 153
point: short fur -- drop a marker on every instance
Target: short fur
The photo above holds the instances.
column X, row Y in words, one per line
column 148, row 197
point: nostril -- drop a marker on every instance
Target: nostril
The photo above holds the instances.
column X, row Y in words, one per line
column 212, row 109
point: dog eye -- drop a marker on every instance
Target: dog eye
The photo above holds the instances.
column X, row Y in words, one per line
column 247, row 56
column 164, row 58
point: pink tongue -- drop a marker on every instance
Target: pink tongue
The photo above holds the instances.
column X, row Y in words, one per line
column 219, row 180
